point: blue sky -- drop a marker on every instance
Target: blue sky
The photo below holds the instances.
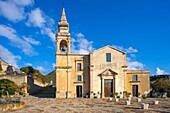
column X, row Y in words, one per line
column 139, row 27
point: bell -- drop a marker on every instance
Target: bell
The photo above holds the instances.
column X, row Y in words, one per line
column 63, row 50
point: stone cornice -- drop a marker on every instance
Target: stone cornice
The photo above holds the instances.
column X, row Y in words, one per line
column 134, row 81
column 70, row 54
column 79, row 82
column 138, row 72
column 63, row 67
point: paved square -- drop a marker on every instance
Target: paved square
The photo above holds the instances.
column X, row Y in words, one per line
column 52, row 105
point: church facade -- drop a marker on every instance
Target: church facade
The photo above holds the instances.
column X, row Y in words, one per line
column 101, row 73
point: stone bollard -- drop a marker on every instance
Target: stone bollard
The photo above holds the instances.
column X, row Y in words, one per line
column 139, row 100
column 145, row 106
column 155, row 102
column 116, row 99
column 127, row 102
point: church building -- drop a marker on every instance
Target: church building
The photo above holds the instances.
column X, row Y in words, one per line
column 101, row 73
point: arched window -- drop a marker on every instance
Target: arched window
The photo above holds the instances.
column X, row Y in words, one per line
column 63, row 46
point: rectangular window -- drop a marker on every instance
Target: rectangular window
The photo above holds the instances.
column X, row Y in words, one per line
column 108, row 57
column 78, row 66
column 79, row 77
column 135, row 78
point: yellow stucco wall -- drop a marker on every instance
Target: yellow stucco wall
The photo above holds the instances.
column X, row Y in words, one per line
column 64, row 81
column 143, row 81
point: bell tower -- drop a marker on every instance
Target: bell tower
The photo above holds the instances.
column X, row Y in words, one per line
column 63, row 67
column 63, row 35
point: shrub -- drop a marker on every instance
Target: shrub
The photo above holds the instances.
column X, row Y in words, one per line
column 139, row 94
column 154, row 95
column 128, row 94
column 7, row 86
column 144, row 96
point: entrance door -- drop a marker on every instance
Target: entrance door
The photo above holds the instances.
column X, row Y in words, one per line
column 79, row 91
column 108, row 87
column 135, row 90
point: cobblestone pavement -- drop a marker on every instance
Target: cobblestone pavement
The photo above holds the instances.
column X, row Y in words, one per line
column 52, row 105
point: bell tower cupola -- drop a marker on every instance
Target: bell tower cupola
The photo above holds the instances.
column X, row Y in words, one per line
column 63, row 35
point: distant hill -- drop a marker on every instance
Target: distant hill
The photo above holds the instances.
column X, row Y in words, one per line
column 160, row 83
column 156, row 77
column 33, row 73
column 51, row 76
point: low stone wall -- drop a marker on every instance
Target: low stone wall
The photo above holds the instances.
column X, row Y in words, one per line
column 12, row 106
column 18, row 79
column 36, row 82
column 35, row 85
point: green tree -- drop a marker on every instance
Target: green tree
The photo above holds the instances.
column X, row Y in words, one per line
column 7, row 85
column 34, row 73
column 24, row 69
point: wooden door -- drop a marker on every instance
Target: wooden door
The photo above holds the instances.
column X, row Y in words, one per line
column 108, row 87
column 135, row 90
column 79, row 91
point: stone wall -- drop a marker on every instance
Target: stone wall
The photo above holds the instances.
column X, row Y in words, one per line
column 4, row 66
column 98, row 65
column 18, row 79
column 35, row 85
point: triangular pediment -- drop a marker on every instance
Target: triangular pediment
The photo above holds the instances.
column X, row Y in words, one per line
column 108, row 72
column 110, row 48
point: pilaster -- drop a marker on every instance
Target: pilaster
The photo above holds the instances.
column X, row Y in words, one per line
column 102, row 87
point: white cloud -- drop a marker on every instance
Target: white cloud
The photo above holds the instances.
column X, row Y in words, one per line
column 10, row 34
column 127, row 50
column 81, row 45
column 7, row 56
column 50, row 47
column 131, row 60
column 131, row 50
column 23, row 2
column 80, row 35
column 31, row 41
column 53, row 64
column 159, row 71
column 13, row 10
column 134, row 65
column 37, row 18
column 41, row 69
column 49, row 33
column 28, row 64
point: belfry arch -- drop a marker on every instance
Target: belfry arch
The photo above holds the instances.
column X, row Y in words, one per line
column 63, row 46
